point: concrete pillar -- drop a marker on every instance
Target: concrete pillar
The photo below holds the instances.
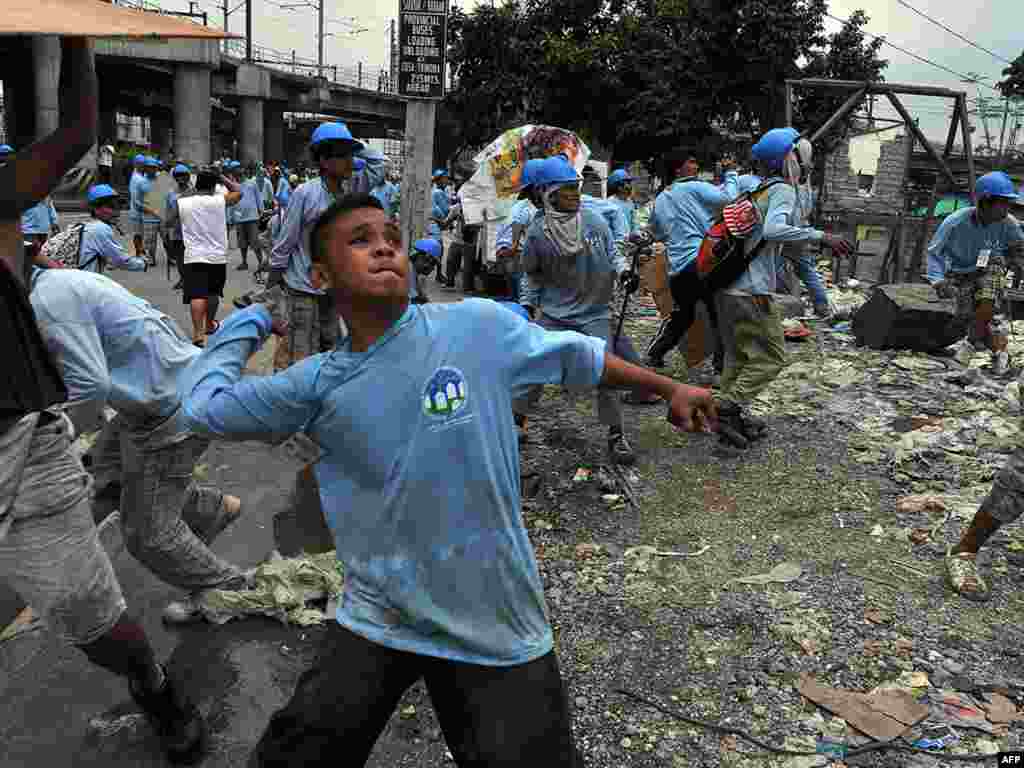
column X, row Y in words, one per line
column 46, row 66
column 250, row 130
column 160, row 133
column 273, row 133
column 192, row 113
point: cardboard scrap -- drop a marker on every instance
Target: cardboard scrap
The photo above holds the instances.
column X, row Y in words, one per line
column 1000, row 709
column 883, row 715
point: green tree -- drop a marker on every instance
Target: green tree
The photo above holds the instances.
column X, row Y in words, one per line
column 1013, row 85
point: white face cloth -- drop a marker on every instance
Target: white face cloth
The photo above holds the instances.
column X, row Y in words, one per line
column 564, row 229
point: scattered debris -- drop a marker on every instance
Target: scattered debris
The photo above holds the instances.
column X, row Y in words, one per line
column 783, row 573
column 581, row 476
column 883, row 715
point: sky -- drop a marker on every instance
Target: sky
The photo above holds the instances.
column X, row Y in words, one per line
column 994, row 24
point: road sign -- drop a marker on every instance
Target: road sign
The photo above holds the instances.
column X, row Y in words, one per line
column 422, row 54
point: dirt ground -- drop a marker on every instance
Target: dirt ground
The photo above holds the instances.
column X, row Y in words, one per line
column 863, row 610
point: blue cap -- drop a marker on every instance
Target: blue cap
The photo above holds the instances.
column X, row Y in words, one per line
column 619, row 176
column 99, row 192
column 428, row 245
column 995, row 184
column 439, row 172
column 555, row 170
column 181, row 170
column 6, row 149
column 335, row 132
column 773, row 147
column 358, row 163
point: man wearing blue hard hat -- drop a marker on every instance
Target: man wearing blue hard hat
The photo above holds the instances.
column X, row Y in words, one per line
column 246, row 217
column 570, row 264
column 967, row 260
column 174, row 242
column 748, row 319
column 313, row 322
column 145, row 220
column 620, row 193
column 440, row 207
column 387, row 192
column 99, row 246
column 425, row 256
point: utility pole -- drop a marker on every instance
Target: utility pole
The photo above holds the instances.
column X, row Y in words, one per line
column 1002, row 133
column 320, row 35
column 248, row 31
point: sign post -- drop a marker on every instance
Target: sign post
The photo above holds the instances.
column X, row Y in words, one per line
column 422, row 58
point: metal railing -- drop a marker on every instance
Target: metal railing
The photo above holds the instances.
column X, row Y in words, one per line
column 359, row 75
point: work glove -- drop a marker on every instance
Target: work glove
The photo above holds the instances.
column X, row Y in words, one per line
column 276, row 278
column 943, row 289
column 629, row 281
column 840, row 245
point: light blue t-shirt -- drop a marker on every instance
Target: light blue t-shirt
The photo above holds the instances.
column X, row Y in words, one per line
column 112, row 347
column 627, row 209
column 284, row 192
column 961, row 237
column 684, row 212
column 142, row 187
column 385, row 193
column 440, row 208
column 610, row 213
column 291, row 250
column 134, row 210
column 419, row 480
column 248, row 208
column 99, row 243
column 40, row 219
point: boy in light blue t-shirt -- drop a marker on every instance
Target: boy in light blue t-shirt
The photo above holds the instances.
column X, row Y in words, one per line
column 419, row 481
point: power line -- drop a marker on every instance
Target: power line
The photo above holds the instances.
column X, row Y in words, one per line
column 912, row 54
column 954, row 33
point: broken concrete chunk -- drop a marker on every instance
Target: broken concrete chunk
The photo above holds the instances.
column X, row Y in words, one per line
column 907, row 316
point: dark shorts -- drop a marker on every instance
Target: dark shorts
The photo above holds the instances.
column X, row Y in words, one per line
column 200, row 281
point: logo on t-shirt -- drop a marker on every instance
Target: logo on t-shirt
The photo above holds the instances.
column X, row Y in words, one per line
column 446, row 396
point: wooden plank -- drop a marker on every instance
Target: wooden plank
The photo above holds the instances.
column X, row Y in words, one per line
column 416, row 179
column 968, row 151
column 848, row 106
column 901, row 88
column 898, row 106
column 96, row 18
column 954, row 126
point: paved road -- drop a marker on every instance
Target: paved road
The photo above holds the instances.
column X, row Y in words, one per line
column 239, row 672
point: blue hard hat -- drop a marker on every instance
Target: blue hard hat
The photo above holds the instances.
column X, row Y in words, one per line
column 99, row 192
column 139, row 160
column 555, row 170
column 773, row 147
column 358, row 163
column 6, row 149
column 428, row 245
column 619, row 176
column 528, row 177
column 439, row 172
column 152, row 162
column 334, row 132
column 181, row 170
column 995, row 184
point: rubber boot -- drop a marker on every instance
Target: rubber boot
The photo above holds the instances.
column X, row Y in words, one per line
column 179, row 725
column 732, row 440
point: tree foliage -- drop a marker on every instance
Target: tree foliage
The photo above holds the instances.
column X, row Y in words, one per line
column 1013, row 85
column 642, row 76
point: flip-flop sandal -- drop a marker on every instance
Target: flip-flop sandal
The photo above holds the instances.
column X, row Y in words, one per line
column 216, row 327
column 633, row 398
column 962, row 574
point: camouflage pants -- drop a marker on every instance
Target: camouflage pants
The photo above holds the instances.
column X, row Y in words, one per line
column 312, row 328
column 755, row 349
column 973, row 288
column 1005, row 501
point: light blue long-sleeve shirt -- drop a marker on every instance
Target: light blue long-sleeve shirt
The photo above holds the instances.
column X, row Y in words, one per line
column 283, row 192
column 419, row 480
column 961, row 236
column 440, row 207
column 574, row 291
column 112, row 347
column 292, row 250
column 250, row 206
column 627, row 209
column 100, row 243
column 40, row 219
column 143, row 184
column 521, row 215
column 683, row 214
column 385, row 193
column 134, row 211
column 611, row 215
column 779, row 206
